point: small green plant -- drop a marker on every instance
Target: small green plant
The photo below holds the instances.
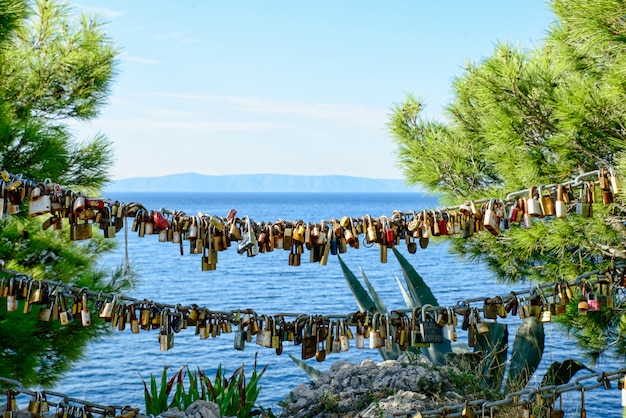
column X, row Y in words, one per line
column 234, row 396
column 327, row 402
column 156, row 398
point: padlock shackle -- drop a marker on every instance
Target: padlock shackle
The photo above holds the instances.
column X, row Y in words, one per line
column 424, row 309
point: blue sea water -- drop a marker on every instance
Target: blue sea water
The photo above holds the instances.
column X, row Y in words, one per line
column 112, row 369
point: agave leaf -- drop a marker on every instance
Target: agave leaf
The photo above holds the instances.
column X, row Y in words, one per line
column 422, row 295
column 467, row 361
column 405, row 295
column 363, row 299
column 419, row 291
column 526, row 354
column 311, row 371
column 560, row 373
column 380, row 305
column 494, row 346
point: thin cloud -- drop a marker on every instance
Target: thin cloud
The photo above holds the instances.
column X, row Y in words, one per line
column 259, row 105
column 101, row 11
column 141, row 60
column 181, row 126
column 183, row 37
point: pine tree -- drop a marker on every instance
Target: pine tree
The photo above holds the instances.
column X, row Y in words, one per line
column 54, row 68
column 523, row 118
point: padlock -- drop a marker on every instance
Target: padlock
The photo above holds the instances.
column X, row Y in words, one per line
column 527, row 219
column 11, row 297
column 388, row 338
column 505, row 223
column 39, row 202
column 166, row 336
column 481, row 326
column 359, row 339
column 592, row 302
column 429, row 330
column 264, row 336
column 375, row 339
column 309, row 340
column 467, row 225
column 533, row 206
column 471, row 328
column 327, row 246
column 558, row 412
column 240, row 337
column 491, row 220
column 449, row 329
column 402, row 333
column 415, row 337
column 344, row 337
column 584, row 204
column 371, row 235
column 320, row 343
column 490, row 309
column 467, row 411
column 604, row 180
column 535, row 306
column 85, row 315
column 547, row 202
column 583, row 305
column 559, row 300
column 65, row 315
column 546, row 314
column 275, row 338
column 33, row 405
column 37, row 295
column 80, row 231
column 287, row 237
column 108, row 309
column 604, row 295
column 45, row 312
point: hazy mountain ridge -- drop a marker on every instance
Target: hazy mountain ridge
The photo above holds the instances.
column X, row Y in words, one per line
column 194, row 182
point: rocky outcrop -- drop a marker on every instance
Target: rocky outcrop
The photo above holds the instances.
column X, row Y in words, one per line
column 372, row 390
column 198, row 409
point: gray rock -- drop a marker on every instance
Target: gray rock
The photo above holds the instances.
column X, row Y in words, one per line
column 371, row 390
column 173, row 413
column 203, row 409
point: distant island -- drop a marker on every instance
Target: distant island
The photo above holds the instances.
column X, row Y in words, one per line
column 194, row 182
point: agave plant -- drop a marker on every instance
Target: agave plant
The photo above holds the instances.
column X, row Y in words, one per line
column 490, row 356
column 235, row 396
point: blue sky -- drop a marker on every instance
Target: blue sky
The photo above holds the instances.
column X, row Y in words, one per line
column 283, row 86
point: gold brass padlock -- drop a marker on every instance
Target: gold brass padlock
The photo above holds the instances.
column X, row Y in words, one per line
column 36, row 295
column 108, row 309
column 547, row 202
column 166, row 336
column 371, row 234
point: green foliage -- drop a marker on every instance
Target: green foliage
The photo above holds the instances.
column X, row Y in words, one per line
column 327, row 402
column 54, row 67
column 156, row 398
column 234, row 396
column 522, row 118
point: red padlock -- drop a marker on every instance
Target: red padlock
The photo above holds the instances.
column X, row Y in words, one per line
column 160, row 221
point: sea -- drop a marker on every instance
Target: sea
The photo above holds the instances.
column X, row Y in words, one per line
column 113, row 367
